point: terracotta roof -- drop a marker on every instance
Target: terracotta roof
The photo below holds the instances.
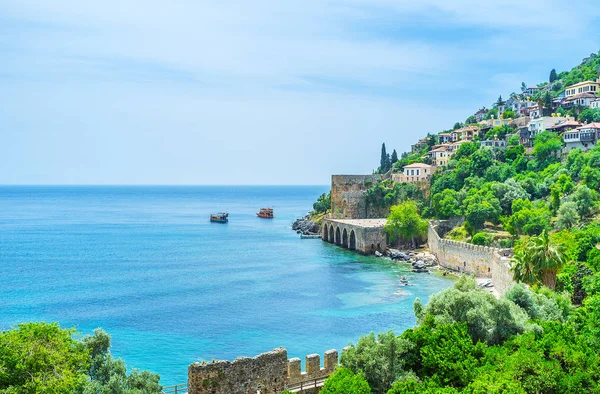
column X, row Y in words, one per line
column 568, row 123
column 417, row 165
column 581, row 95
column 440, row 149
column 595, row 125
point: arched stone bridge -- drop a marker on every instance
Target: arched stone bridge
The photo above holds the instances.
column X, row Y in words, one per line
column 363, row 235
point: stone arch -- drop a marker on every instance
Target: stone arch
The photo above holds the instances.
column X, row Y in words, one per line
column 352, row 241
column 330, row 238
column 338, row 236
column 345, row 238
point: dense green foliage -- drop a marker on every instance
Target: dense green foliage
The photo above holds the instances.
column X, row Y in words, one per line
column 344, row 381
column 468, row 341
column 405, row 222
column 384, row 194
column 44, row 358
column 323, row 203
column 539, row 339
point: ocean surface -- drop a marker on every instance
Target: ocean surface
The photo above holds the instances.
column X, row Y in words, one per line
column 146, row 265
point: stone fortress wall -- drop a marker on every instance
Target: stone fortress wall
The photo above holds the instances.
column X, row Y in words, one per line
column 267, row 373
column 347, row 195
column 364, row 235
column 481, row 261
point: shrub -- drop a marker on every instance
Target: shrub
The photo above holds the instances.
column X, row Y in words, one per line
column 344, row 381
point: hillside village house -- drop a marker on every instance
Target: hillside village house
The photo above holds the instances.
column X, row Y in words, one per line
column 567, row 125
column 526, row 136
column 480, row 115
column 583, row 87
column 495, row 143
column 595, row 103
column 416, row 148
column 415, row 172
column 530, row 91
column 444, row 138
column 499, row 122
column 584, row 137
column 465, row 134
column 440, row 156
column 582, row 99
column 535, row 112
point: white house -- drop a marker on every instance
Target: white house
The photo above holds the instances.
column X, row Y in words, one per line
column 584, row 137
column 415, row 172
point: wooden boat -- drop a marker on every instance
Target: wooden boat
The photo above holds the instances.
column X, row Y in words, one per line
column 265, row 213
column 221, row 217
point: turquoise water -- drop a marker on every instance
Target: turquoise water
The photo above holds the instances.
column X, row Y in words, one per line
column 145, row 264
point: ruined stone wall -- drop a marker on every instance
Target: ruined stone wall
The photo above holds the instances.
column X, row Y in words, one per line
column 481, row 261
column 271, row 373
column 501, row 275
column 347, row 195
column 371, row 240
column 266, row 372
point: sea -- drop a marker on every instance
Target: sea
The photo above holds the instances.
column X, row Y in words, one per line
column 145, row 264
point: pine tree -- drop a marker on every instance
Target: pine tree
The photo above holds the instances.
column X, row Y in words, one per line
column 394, row 156
column 553, row 76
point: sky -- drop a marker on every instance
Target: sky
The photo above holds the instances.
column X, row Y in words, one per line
column 258, row 92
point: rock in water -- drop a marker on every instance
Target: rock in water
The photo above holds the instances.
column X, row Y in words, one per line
column 378, row 254
column 305, row 226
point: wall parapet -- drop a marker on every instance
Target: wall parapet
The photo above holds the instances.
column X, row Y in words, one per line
column 269, row 372
column 481, row 261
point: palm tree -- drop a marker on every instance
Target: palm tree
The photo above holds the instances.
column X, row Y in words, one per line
column 539, row 261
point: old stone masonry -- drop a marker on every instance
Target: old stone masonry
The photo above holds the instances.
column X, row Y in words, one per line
column 270, row 373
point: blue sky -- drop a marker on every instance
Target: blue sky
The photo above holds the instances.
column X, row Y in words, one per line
column 260, row 92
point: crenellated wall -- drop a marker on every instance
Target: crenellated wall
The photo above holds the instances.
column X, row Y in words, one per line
column 267, row 373
column 481, row 261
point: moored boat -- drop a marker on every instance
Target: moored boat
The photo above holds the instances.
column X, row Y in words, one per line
column 265, row 213
column 221, row 217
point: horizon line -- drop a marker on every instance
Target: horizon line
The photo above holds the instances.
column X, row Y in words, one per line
column 145, row 184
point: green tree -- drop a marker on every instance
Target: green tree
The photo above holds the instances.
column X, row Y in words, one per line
column 589, row 115
column 109, row 375
column 323, row 203
column 405, row 222
column 344, row 381
column 553, row 76
column 394, row 156
column 380, row 359
column 480, row 207
column 508, row 114
column 538, row 260
column 567, row 216
column 384, row 163
column 492, row 113
column 446, row 204
column 585, row 200
column 523, row 87
column 42, row 358
column 487, row 318
column 546, row 148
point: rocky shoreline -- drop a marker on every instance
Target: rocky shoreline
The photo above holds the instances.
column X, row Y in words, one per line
column 305, row 226
column 421, row 262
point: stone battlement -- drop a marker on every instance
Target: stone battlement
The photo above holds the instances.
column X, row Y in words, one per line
column 481, row 261
column 269, row 372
